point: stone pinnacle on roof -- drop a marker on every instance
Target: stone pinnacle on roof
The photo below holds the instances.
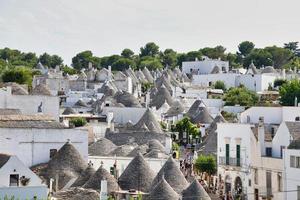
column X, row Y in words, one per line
column 195, row 191
column 173, row 176
column 163, row 191
column 137, row 175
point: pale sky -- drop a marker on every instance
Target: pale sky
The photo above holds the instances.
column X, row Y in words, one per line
column 66, row 27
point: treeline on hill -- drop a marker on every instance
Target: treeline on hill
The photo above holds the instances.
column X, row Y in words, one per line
column 16, row 62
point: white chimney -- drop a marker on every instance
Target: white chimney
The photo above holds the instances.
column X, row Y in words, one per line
column 261, row 135
column 90, row 66
column 283, row 73
column 109, row 72
column 103, row 192
column 109, row 117
column 147, row 99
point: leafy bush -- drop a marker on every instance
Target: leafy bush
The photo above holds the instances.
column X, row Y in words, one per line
column 288, row 93
column 21, row 75
column 78, row 122
column 220, row 85
column 240, row 96
column 279, row 82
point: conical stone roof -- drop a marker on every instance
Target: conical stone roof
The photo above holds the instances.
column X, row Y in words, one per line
column 17, row 89
column 41, row 89
column 69, row 111
column 210, row 143
column 102, row 147
column 173, row 176
column 123, row 150
column 67, row 163
column 175, row 109
column 84, row 176
column 137, row 175
column 195, row 191
column 215, row 70
column 67, row 158
column 155, row 144
column 148, row 75
column 161, row 96
column 142, row 149
column 127, row 99
column 101, row 174
column 150, row 121
column 198, row 113
column 163, row 191
column 81, row 103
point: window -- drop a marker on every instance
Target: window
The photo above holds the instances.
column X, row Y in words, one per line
column 298, row 192
column 14, row 180
column 279, row 181
column 255, row 176
column 238, row 155
column 249, row 182
column 281, row 151
column 227, row 154
column 295, row 161
column 53, row 152
column 297, row 118
column 269, row 183
column 269, row 151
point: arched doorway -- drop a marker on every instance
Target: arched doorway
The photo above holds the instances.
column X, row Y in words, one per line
column 238, row 186
column 227, row 184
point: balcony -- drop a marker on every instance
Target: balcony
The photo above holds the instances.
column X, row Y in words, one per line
column 230, row 161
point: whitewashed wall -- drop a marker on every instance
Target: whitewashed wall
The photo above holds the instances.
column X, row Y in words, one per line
column 123, row 114
column 28, row 104
column 18, row 141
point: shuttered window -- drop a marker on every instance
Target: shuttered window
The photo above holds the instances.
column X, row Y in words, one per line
column 238, row 155
column 292, row 161
column 227, row 154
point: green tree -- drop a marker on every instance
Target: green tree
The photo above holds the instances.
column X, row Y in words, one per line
column 280, row 56
column 206, row 164
column 293, row 46
column 123, row 63
column 150, row 49
column 279, row 82
column 240, row 96
column 169, row 57
column 21, row 75
column 288, row 93
column 260, row 57
column 185, row 125
column 127, row 53
column 82, row 59
column 45, row 59
column 220, row 85
column 214, row 53
column 68, row 70
column 233, row 60
column 50, row 60
column 245, row 48
column 293, row 63
column 150, row 62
